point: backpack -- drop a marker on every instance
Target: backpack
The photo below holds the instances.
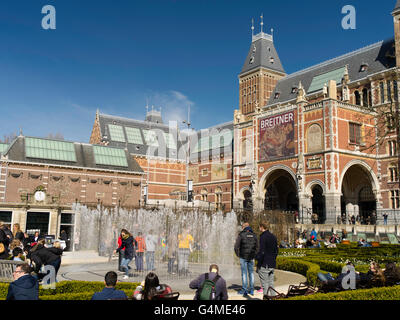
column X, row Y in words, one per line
column 207, row 290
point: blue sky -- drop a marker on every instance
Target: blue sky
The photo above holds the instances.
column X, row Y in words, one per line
column 115, row 55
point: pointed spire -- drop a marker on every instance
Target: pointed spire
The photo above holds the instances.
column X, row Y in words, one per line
column 252, row 27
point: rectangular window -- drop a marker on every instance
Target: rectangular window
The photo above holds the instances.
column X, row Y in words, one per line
column 389, row 91
column 394, row 199
column 395, row 91
column 382, row 89
column 204, row 173
column 355, row 133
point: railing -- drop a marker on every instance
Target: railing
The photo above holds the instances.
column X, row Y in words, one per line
column 7, row 268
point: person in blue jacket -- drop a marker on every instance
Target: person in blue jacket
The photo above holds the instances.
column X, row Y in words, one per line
column 314, row 235
column 109, row 292
column 25, row 286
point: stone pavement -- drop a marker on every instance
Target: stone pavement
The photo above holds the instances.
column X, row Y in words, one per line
column 88, row 266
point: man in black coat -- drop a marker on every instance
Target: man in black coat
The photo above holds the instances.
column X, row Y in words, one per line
column 25, row 286
column 266, row 257
column 246, row 247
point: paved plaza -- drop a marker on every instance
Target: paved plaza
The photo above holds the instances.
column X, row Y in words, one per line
column 88, row 266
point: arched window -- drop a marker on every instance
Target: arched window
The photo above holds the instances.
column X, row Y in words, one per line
column 218, row 198
column 314, row 138
column 358, row 98
column 204, row 194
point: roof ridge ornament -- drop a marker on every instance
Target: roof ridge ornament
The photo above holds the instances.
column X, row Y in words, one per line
column 262, row 22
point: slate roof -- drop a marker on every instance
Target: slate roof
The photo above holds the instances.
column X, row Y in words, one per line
column 216, row 148
column 142, row 149
column 180, row 137
column 397, row 6
column 378, row 57
column 261, row 51
column 84, row 157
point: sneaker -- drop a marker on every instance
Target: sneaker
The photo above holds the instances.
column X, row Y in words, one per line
column 243, row 292
column 125, row 277
column 260, row 291
column 251, row 292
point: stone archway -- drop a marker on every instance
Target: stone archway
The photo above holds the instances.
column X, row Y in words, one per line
column 359, row 189
column 318, row 203
column 279, row 189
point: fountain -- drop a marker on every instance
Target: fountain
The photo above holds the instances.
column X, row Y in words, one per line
column 214, row 234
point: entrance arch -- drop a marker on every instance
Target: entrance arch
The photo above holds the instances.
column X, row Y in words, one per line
column 279, row 190
column 318, row 203
column 359, row 188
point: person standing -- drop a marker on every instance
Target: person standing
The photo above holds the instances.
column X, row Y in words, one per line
column 151, row 242
column 185, row 241
column 25, row 286
column 172, row 244
column 140, row 249
column 385, row 218
column 246, row 247
column 266, row 257
column 129, row 244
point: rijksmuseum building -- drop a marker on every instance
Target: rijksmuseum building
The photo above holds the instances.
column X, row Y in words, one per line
column 320, row 140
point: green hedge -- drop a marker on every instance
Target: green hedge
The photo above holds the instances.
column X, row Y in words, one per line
column 306, row 268
column 386, row 293
column 74, row 290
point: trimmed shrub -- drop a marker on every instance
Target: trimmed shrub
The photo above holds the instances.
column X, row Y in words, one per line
column 386, row 293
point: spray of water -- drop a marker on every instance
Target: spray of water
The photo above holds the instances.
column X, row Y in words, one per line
column 214, row 235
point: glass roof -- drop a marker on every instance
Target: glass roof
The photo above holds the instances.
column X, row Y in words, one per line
column 49, row 149
column 318, row 82
column 151, row 138
column 3, row 147
column 110, row 156
column 133, row 135
column 216, row 141
column 116, row 133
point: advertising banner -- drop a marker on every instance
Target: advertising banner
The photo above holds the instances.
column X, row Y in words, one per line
column 276, row 138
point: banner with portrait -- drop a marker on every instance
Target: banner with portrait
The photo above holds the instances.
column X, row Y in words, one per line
column 276, row 139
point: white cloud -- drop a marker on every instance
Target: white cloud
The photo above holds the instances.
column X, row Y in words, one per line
column 174, row 106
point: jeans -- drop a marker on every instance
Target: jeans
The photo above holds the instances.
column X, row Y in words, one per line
column 139, row 261
column 267, row 279
column 124, row 265
column 324, row 277
column 247, row 267
column 183, row 259
column 171, row 262
column 150, row 260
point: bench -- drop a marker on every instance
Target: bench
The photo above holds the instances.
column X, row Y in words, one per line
column 7, row 268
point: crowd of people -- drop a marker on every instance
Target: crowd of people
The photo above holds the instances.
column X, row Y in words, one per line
column 17, row 245
column 142, row 249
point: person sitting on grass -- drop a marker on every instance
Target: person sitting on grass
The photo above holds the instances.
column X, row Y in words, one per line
column 109, row 292
column 336, row 284
column 392, row 274
column 374, row 277
column 151, row 289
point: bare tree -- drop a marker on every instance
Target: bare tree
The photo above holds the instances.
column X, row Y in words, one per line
column 8, row 138
column 57, row 136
